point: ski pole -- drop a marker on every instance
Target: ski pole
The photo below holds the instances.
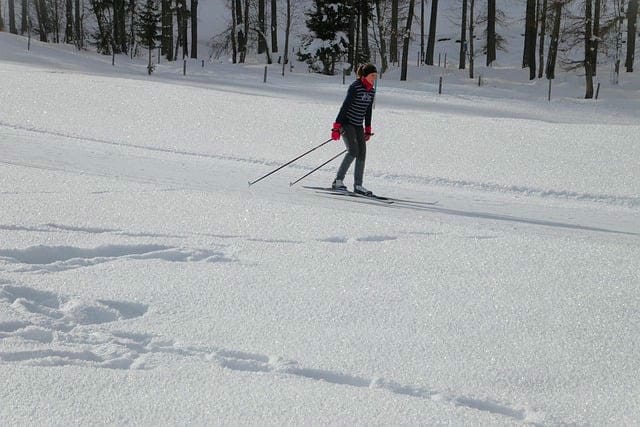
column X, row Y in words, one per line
column 328, row 161
column 289, row 162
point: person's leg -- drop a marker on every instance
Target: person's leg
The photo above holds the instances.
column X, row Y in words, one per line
column 350, row 139
column 361, row 156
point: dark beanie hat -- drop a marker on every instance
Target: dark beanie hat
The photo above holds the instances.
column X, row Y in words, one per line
column 367, row 69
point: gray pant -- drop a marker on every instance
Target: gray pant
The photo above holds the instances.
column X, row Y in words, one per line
column 353, row 137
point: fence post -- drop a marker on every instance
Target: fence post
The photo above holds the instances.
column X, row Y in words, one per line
column 598, row 90
column 265, row 74
column 440, row 86
column 549, row 96
column 184, row 67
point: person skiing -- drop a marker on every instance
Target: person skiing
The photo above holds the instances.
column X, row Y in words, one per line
column 356, row 109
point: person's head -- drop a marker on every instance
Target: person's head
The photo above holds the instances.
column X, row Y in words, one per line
column 368, row 72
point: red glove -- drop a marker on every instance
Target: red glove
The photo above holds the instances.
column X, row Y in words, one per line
column 336, row 131
column 367, row 133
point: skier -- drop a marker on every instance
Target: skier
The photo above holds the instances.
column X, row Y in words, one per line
column 356, row 108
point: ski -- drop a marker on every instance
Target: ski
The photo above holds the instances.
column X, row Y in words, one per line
column 348, row 193
column 374, row 197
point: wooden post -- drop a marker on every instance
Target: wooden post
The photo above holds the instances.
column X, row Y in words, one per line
column 440, row 86
column 265, row 74
column 598, row 90
column 184, row 67
column 549, row 96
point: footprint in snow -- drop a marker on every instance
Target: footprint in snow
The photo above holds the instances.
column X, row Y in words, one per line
column 56, row 330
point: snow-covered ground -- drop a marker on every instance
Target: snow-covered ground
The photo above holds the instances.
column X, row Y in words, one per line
column 143, row 281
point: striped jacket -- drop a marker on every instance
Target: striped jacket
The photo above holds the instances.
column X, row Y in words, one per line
column 357, row 105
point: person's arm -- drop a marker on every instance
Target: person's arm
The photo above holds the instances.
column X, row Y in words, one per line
column 342, row 115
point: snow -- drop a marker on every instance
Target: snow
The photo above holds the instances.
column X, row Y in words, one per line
column 143, row 281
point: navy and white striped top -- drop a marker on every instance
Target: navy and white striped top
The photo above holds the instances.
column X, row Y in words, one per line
column 357, row 105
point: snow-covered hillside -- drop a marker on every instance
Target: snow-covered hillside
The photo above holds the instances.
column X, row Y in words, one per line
column 143, row 281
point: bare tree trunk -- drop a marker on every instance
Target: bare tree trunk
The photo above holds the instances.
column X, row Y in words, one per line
column 166, row 46
column 431, row 44
column 529, row 54
column 12, row 17
column 632, row 19
column 491, row 31
column 234, row 44
column 68, row 28
column 543, row 29
column 274, row 26
column 555, row 38
column 596, row 36
column 588, row 45
column 364, row 15
column 262, row 41
column 23, row 21
column 382, row 42
column 77, row 25
column 43, row 20
column 287, row 32
column 194, row 28
column 471, row 30
column 422, row 31
column 393, row 41
column 463, row 36
column 406, row 37
column 351, row 50
column 245, row 42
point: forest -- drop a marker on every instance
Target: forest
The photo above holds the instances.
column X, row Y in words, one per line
column 335, row 36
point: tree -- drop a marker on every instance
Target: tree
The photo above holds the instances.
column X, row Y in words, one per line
column 406, row 37
column 182, row 15
column 24, row 24
column 287, row 33
column 12, row 17
column 632, row 19
column 588, row 46
column 194, row 28
column 77, row 25
column 382, row 45
column 274, row 26
column 120, row 44
column 491, row 31
column 471, row 36
column 529, row 52
column 596, row 35
column 148, row 28
column 543, row 29
column 262, row 44
column 43, row 20
column 393, row 42
column 68, row 29
column 1, row 21
column 421, row 30
column 365, row 11
column 327, row 41
column 463, row 36
column 555, row 38
column 166, row 45
column 431, row 43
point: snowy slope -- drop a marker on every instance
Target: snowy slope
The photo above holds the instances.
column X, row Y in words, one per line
column 142, row 281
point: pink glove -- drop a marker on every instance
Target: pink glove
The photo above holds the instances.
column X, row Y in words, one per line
column 367, row 133
column 335, row 132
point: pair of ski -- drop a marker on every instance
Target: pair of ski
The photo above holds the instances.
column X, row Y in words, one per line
column 373, row 197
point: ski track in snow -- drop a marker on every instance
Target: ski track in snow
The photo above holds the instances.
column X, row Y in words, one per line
column 608, row 199
column 59, row 330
